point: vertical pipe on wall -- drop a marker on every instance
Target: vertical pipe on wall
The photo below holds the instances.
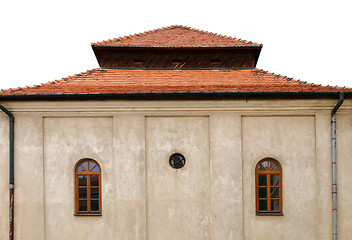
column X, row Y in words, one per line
column 11, row 172
column 334, row 173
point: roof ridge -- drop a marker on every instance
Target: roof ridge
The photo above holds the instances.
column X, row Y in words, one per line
column 173, row 27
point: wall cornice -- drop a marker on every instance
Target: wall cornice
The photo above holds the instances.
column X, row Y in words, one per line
column 243, row 106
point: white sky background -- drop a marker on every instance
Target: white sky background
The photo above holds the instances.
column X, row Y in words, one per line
column 43, row 41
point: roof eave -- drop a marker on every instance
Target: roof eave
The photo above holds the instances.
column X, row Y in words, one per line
column 180, row 47
column 175, row 96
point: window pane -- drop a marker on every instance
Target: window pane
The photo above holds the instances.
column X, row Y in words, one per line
column 80, row 168
column 82, row 205
column 82, row 180
column 95, row 169
column 263, row 193
column 274, row 180
column 275, row 205
column 260, row 167
column 265, row 164
column 94, row 180
column 82, row 193
column 271, row 164
column 275, row 192
column 276, row 168
column 262, row 180
column 85, row 165
column 94, row 205
column 91, row 165
column 94, row 193
column 263, row 205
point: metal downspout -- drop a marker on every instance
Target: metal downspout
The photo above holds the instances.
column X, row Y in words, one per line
column 334, row 174
column 11, row 173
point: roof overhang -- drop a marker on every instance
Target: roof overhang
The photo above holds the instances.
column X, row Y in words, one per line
column 177, row 96
column 117, row 56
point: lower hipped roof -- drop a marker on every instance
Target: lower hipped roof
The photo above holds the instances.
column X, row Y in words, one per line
column 127, row 81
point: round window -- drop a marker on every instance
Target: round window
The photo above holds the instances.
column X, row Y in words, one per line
column 177, row 161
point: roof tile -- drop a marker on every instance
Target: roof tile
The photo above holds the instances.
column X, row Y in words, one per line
column 176, row 36
column 101, row 81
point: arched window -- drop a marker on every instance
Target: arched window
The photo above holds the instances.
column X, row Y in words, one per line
column 268, row 187
column 88, row 187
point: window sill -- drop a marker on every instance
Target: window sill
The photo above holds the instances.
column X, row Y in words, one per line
column 88, row 214
column 269, row 214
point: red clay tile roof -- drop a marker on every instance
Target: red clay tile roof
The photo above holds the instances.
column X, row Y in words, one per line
column 176, row 36
column 100, row 81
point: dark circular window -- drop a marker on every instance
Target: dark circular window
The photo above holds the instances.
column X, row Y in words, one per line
column 177, row 160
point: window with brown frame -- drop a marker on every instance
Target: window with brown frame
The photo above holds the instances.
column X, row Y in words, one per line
column 268, row 186
column 88, row 187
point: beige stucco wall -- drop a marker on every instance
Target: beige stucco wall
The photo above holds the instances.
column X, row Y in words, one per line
column 178, row 201
column 4, row 177
column 67, row 140
column 344, row 177
column 214, row 198
column 291, row 141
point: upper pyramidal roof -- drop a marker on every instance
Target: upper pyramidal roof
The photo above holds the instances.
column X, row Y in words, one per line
column 176, row 36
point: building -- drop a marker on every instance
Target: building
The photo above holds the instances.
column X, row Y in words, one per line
column 176, row 136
